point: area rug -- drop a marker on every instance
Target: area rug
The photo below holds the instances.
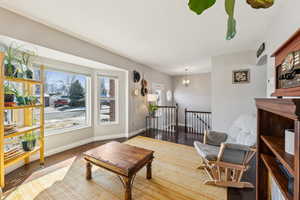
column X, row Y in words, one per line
column 174, row 176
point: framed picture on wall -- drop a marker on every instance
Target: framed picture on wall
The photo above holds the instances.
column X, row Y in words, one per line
column 241, row 76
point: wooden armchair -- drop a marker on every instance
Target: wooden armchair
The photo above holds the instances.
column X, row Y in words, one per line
column 227, row 156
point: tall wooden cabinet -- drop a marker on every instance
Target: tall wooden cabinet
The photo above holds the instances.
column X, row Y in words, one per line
column 274, row 117
column 28, row 122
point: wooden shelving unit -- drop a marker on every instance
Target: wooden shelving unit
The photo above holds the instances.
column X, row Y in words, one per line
column 274, row 117
column 273, row 168
column 8, row 160
column 276, row 145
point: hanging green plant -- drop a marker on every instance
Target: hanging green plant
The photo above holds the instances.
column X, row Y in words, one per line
column 199, row 6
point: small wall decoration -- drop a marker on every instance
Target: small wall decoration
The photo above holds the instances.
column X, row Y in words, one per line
column 136, row 76
column 241, row 76
column 260, row 50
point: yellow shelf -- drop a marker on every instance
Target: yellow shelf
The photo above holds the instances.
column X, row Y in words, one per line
column 20, row 157
column 8, row 159
column 22, row 130
column 21, row 107
column 22, row 80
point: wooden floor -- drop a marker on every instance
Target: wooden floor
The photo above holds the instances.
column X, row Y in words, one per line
column 57, row 161
column 188, row 139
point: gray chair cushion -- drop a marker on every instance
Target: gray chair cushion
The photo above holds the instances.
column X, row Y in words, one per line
column 215, row 138
column 206, row 151
column 234, row 156
column 210, row 153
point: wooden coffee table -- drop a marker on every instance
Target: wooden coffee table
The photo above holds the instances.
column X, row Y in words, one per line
column 121, row 159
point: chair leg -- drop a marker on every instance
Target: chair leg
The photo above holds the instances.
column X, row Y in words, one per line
column 225, row 177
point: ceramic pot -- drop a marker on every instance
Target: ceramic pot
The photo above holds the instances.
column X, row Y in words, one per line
column 29, row 74
column 28, row 145
column 9, row 98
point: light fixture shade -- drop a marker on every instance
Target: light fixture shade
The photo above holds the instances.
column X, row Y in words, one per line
column 186, row 82
column 152, row 98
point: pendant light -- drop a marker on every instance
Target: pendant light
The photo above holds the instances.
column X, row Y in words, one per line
column 186, row 82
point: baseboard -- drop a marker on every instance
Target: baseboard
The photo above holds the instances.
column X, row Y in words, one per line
column 108, row 137
column 74, row 145
column 136, row 132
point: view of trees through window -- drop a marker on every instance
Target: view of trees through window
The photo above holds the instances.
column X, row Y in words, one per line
column 65, row 100
column 107, row 98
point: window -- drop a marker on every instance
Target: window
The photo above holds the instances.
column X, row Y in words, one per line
column 107, row 99
column 66, row 104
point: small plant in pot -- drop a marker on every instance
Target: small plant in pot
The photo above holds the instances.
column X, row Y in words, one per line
column 9, row 96
column 152, row 108
column 26, row 62
column 33, row 100
column 11, row 60
column 29, row 141
column 21, row 101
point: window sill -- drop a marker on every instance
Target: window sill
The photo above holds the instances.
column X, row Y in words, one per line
column 66, row 130
column 108, row 124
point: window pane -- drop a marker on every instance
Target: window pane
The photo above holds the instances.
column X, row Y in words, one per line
column 107, row 87
column 107, row 111
column 65, row 100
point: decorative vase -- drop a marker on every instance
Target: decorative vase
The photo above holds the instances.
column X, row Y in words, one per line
column 152, row 113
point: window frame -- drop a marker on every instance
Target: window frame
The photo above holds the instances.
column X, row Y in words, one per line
column 116, row 98
column 88, row 98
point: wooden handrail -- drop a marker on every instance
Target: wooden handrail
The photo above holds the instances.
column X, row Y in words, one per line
column 196, row 120
column 193, row 111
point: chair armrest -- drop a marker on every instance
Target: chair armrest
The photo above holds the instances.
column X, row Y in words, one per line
column 214, row 138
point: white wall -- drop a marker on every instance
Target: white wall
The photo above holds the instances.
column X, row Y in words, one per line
column 30, row 31
column 197, row 96
column 24, row 29
column 284, row 25
column 230, row 100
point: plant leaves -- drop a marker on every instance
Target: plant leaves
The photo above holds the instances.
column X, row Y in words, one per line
column 198, row 6
column 229, row 7
column 260, row 3
column 231, row 28
column 231, row 22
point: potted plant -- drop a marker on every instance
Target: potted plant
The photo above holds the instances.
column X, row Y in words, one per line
column 26, row 62
column 33, row 100
column 152, row 109
column 9, row 96
column 29, row 141
column 10, row 60
column 20, row 99
column 19, row 73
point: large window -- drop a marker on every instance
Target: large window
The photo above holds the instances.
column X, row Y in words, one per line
column 108, row 99
column 66, row 96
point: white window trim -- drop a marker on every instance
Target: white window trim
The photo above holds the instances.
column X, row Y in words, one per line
column 66, row 130
column 116, row 98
